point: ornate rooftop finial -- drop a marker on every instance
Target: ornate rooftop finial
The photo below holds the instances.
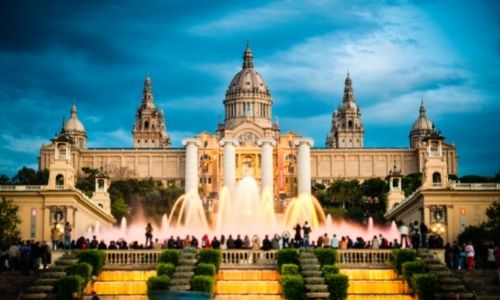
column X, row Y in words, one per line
column 247, row 57
column 422, row 108
column 348, row 92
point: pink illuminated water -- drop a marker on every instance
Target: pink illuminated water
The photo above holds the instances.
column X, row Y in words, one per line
column 248, row 212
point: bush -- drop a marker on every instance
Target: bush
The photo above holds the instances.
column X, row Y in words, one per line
column 293, row 286
column 330, row 269
column 205, row 269
column 286, row 256
column 83, row 269
column 337, row 286
column 96, row 258
column 326, row 256
column 425, row 286
column 165, row 269
column 158, row 283
column 170, row 256
column 203, row 283
column 290, row 269
column 210, row 256
column 69, row 285
column 413, row 267
column 400, row 256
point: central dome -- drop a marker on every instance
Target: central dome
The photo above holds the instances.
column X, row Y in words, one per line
column 248, row 81
column 74, row 124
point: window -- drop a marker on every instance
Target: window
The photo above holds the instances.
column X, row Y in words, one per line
column 436, row 177
column 60, row 179
column 349, row 124
column 146, row 125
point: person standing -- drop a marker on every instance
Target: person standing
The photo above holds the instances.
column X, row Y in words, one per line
column 404, row 231
column 469, row 251
column 307, row 230
column 67, row 236
column 149, row 235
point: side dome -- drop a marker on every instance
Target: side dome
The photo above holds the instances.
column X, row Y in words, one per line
column 248, row 81
column 73, row 124
column 422, row 123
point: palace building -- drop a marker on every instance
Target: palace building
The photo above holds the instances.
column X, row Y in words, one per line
column 248, row 128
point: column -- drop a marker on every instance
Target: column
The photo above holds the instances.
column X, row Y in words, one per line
column 191, row 173
column 229, row 163
column 266, row 168
column 304, row 165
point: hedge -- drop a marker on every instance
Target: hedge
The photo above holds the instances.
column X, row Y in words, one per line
column 205, row 269
column 413, row 267
column 203, row 283
column 293, row 287
column 69, row 285
column 210, row 256
column 290, row 269
column 158, row 283
column 425, row 286
column 337, row 286
column 286, row 256
column 400, row 256
column 326, row 256
column 96, row 258
column 170, row 256
column 165, row 269
column 330, row 269
column 83, row 269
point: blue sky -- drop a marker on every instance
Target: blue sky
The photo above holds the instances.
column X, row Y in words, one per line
column 98, row 52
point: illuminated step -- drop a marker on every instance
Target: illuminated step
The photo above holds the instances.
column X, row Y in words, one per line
column 126, row 275
column 119, row 297
column 380, row 297
column 248, row 275
column 247, row 287
column 369, row 274
column 118, row 288
column 378, row 287
column 248, row 297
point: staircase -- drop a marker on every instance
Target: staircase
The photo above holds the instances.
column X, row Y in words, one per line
column 484, row 283
column 44, row 286
column 449, row 286
column 12, row 283
column 314, row 283
column 113, row 284
column 376, row 284
column 184, row 271
column 248, row 284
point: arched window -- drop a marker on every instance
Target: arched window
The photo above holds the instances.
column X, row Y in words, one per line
column 59, row 179
column 100, row 185
column 349, row 124
column 436, row 177
column 146, row 125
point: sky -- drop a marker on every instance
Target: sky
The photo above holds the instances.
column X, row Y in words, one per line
column 96, row 53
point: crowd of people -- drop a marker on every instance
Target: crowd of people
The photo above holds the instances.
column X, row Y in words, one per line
column 470, row 256
column 26, row 257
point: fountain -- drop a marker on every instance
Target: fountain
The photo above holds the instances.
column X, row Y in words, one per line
column 247, row 213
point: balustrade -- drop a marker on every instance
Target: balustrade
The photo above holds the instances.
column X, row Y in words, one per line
column 132, row 257
column 364, row 256
column 248, row 257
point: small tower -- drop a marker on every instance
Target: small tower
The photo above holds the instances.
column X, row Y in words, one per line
column 347, row 130
column 396, row 194
column 101, row 195
column 61, row 172
column 421, row 128
column 435, row 172
column 149, row 129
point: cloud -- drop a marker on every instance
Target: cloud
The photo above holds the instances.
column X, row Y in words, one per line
column 176, row 137
column 116, row 138
column 23, row 144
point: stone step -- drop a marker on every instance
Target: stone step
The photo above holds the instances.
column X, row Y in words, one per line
column 187, row 261
column 307, row 255
column 248, row 297
column 318, row 295
column 184, row 268
column 183, row 274
column 66, row 261
column 41, row 288
column 312, row 267
column 452, row 288
column 179, row 288
column 314, row 280
column 443, row 274
column 449, row 280
column 437, row 267
column 316, row 287
column 311, row 273
column 50, row 274
column 58, row 268
column 45, row 281
column 454, row 296
column 34, row 296
column 180, row 281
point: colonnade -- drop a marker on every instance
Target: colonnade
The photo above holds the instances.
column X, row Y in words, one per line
column 229, row 164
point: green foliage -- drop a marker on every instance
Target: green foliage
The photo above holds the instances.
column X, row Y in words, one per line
column 165, row 269
column 205, row 269
column 158, row 283
column 413, row 267
column 293, row 286
column 326, row 256
column 9, row 221
column 286, row 256
column 411, row 182
column 119, row 209
column 87, row 184
column 171, row 256
column 401, row 256
column 330, row 269
column 337, row 286
column 425, row 286
column 95, row 258
column 28, row 176
column 203, row 283
column 82, row 269
column 69, row 285
column 290, row 269
column 486, row 231
column 210, row 256
column 344, row 192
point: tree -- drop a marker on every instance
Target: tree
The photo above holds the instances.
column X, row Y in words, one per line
column 119, row 208
column 492, row 226
column 9, row 221
column 28, row 176
column 87, row 184
column 4, row 179
column 411, row 183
